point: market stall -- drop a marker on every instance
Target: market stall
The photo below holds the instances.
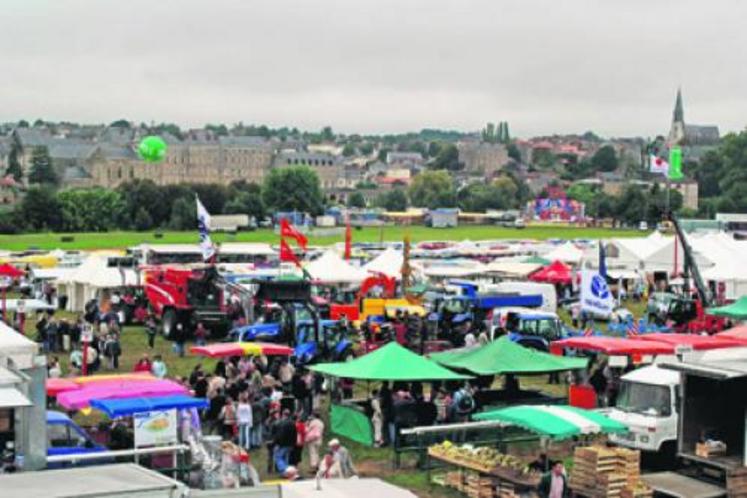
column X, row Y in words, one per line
column 556, row 272
column 736, row 310
column 388, row 363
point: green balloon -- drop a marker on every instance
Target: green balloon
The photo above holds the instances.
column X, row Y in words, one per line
column 152, row 149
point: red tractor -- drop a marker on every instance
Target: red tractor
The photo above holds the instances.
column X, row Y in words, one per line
column 184, row 296
column 354, row 312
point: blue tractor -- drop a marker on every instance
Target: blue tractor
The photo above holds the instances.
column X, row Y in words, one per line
column 296, row 322
column 531, row 328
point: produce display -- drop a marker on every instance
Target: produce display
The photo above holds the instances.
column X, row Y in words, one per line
column 482, row 458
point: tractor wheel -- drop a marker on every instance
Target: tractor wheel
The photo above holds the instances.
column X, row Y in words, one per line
column 168, row 323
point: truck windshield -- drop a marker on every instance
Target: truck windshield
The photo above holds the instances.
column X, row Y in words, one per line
column 545, row 327
column 647, row 399
column 455, row 306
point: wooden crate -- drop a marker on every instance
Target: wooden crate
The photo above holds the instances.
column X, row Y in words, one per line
column 736, row 482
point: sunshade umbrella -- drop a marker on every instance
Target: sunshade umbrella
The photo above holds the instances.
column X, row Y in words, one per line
column 128, row 406
column 10, row 271
column 389, row 363
column 224, row 349
column 555, row 421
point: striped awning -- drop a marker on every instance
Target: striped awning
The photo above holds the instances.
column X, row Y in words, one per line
column 556, row 421
column 225, row 349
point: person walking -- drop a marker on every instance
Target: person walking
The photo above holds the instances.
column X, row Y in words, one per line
column 554, row 484
column 314, row 438
column 201, row 334
column 150, row 330
column 228, row 418
column 244, row 418
column 377, row 419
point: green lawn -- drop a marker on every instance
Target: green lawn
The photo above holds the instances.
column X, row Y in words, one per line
column 121, row 240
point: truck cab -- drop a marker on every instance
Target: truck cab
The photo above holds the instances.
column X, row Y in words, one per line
column 528, row 327
column 648, row 403
column 65, row 437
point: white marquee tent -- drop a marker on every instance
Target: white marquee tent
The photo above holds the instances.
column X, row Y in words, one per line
column 388, row 262
column 94, row 278
column 330, row 268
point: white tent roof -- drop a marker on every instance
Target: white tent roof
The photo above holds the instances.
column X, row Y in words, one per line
column 344, row 488
column 331, row 268
column 388, row 262
column 16, row 346
column 94, row 271
column 512, row 268
column 567, row 253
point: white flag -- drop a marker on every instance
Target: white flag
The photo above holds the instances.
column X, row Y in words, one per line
column 658, row 165
column 595, row 294
column 203, row 228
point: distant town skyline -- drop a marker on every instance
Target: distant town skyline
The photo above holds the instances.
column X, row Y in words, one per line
column 381, row 66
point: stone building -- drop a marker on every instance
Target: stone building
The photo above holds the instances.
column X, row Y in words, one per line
column 695, row 140
column 482, row 158
column 330, row 169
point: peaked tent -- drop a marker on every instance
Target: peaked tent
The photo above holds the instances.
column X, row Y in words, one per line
column 388, row 262
column 567, row 253
column 389, row 363
column 736, row 310
column 557, row 422
column 506, row 357
column 556, row 272
column 330, row 268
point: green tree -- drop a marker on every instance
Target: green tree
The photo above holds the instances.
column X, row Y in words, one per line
column 356, row 200
column 294, row 188
column 90, row 210
column 348, row 150
column 40, row 209
column 433, row 149
column 383, row 152
column 142, row 221
column 514, row 152
column 366, row 148
column 247, row 201
column 183, row 214
column 220, row 129
column 212, row 195
column 433, row 189
column 543, row 158
column 489, row 133
column 23, row 124
column 14, row 166
column 581, row 193
column 327, row 135
column 146, row 195
column 120, row 123
column 447, row 158
column 42, row 171
column 605, row 159
column 394, row 200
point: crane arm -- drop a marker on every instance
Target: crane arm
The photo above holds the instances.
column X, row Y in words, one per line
column 690, row 265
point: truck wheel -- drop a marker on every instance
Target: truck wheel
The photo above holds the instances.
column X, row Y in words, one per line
column 168, row 322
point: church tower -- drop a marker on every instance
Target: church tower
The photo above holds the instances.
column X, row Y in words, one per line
column 677, row 131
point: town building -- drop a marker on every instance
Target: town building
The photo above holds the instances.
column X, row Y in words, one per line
column 694, row 140
column 482, row 158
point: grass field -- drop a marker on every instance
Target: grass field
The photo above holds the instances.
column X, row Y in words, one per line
column 121, row 240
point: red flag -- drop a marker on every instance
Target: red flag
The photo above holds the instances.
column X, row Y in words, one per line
column 287, row 254
column 348, row 239
column 288, row 230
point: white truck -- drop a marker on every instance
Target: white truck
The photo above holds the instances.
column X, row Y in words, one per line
column 648, row 403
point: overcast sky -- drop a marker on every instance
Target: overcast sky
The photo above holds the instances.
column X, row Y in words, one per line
column 612, row 66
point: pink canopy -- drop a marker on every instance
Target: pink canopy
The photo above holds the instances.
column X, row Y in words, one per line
column 738, row 332
column 556, row 272
column 80, row 398
column 57, row 386
column 613, row 345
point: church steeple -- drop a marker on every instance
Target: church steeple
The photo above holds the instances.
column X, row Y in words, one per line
column 677, row 131
column 679, row 112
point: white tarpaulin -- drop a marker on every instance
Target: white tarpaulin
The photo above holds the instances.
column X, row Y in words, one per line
column 512, row 268
column 332, row 269
column 344, row 488
column 10, row 397
column 388, row 262
column 17, row 347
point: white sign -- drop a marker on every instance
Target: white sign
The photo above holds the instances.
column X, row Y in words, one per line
column 86, row 333
column 596, row 296
column 155, row 428
column 618, row 361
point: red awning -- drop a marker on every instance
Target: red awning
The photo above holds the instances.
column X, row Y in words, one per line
column 8, row 270
column 739, row 332
column 224, row 349
column 556, row 272
column 697, row 342
column 615, row 346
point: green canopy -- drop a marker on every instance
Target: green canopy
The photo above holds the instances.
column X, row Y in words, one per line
column 537, row 260
column 506, row 357
column 555, row 421
column 736, row 310
column 391, row 362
